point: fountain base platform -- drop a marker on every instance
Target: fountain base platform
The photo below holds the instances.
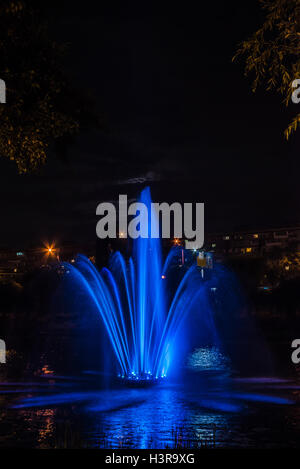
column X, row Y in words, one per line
column 140, row 381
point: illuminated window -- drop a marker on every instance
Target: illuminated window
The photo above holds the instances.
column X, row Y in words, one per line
column 255, row 236
column 20, row 253
column 248, row 249
column 213, row 245
column 226, row 238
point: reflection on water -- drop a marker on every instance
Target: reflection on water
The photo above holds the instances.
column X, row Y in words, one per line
column 206, row 407
column 208, row 358
column 46, row 430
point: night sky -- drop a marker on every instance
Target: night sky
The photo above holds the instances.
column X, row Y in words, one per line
column 177, row 114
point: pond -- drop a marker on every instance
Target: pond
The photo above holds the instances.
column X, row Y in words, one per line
column 209, row 405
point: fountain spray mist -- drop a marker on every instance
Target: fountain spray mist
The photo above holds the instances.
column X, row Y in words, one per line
column 131, row 299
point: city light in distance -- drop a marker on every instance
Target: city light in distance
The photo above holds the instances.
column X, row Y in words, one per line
column 50, row 250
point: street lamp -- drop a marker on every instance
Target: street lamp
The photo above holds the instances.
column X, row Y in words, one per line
column 51, row 251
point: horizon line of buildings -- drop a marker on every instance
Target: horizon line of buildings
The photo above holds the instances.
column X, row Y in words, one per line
column 14, row 263
column 254, row 242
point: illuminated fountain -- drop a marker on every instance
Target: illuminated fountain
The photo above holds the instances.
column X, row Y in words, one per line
column 133, row 300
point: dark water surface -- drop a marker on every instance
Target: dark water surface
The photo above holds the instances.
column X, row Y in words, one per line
column 208, row 405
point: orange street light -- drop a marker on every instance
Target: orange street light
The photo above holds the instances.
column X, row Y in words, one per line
column 50, row 250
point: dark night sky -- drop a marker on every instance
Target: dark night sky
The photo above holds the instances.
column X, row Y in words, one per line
column 178, row 115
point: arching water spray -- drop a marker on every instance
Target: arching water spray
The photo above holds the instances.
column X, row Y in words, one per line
column 141, row 322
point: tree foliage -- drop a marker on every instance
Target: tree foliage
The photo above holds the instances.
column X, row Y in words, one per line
column 283, row 267
column 272, row 54
column 41, row 107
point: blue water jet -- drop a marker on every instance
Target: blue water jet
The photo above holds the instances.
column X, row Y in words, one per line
column 141, row 319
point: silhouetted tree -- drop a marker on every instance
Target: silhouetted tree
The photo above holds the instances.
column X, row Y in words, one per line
column 41, row 107
column 272, row 54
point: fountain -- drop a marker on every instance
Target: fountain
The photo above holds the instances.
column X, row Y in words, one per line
column 141, row 319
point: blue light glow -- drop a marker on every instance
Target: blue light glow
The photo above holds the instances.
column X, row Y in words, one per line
column 131, row 299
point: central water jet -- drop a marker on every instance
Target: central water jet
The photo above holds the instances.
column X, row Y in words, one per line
column 140, row 317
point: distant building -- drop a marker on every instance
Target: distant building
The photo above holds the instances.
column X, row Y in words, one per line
column 11, row 264
column 14, row 263
column 254, row 242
